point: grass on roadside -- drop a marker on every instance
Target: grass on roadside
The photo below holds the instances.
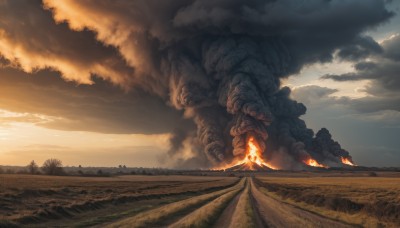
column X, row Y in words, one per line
column 363, row 201
column 139, row 207
column 243, row 216
column 206, row 215
column 356, row 219
column 158, row 214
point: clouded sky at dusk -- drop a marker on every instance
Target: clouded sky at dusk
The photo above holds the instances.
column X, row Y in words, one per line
column 78, row 82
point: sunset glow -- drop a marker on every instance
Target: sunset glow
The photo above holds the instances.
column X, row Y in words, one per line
column 21, row 142
column 185, row 83
column 199, row 113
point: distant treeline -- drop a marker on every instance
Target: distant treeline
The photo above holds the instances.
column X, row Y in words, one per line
column 55, row 167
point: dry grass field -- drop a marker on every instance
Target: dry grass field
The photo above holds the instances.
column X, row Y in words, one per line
column 46, row 200
column 269, row 199
column 354, row 198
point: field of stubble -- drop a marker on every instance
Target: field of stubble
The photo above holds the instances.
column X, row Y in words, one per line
column 355, row 198
column 279, row 199
column 82, row 201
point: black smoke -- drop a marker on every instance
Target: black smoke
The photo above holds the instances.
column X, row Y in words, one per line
column 325, row 148
column 228, row 71
column 222, row 62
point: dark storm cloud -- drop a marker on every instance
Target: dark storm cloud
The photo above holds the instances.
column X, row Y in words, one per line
column 101, row 107
column 383, row 68
column 324, row 97
column 361, row 48
column 311, row 30
column 374, row 104
column 383, row 72
column 392, row 48
column 219, row 61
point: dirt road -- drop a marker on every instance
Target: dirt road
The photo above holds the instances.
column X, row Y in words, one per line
column 268, row 212
column 278, row 214
column 243, row 205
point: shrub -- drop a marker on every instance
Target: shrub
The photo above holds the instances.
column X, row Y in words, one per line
column 53, row 166
column 33, row 168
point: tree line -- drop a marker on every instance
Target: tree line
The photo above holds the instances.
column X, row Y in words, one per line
column 51, row 166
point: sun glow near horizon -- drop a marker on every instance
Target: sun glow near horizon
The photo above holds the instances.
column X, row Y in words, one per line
column 22, row 141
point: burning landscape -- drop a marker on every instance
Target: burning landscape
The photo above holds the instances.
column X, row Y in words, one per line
column 228, row 101
column 252, row 159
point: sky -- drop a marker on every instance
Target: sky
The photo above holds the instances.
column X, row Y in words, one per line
column 78, row 82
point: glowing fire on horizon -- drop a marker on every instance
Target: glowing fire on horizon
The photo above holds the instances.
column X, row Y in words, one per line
column 253, row 156
column 314, row 163
column 347, row 161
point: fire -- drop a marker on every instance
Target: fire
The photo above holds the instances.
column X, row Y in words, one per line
column 253, row 156
column 347, row 161
column 312, row 162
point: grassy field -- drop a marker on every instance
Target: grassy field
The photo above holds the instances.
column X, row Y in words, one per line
column 165, row 214
column 243, row 217
column 353, row 198
column 39, row 200
column 346, row 199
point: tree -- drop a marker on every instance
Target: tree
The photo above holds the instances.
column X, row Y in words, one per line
column 53, row 166
column 33, row 167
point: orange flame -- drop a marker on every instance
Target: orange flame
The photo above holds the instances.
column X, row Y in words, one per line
column 314, row 163
column 347, row 161
column 253, row 156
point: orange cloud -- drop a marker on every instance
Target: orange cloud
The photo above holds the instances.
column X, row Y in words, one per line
column 126, row 26
column 32, row 41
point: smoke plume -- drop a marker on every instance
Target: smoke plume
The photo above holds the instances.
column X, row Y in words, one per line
column 326, row 148
column 222, row 62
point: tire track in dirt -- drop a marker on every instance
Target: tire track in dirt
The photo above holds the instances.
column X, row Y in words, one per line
column 225, row 219
column 245, row 214
column 278, row 214
column 170, row 213
column 257, row 216
column 207, row 215
column 242, row 205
